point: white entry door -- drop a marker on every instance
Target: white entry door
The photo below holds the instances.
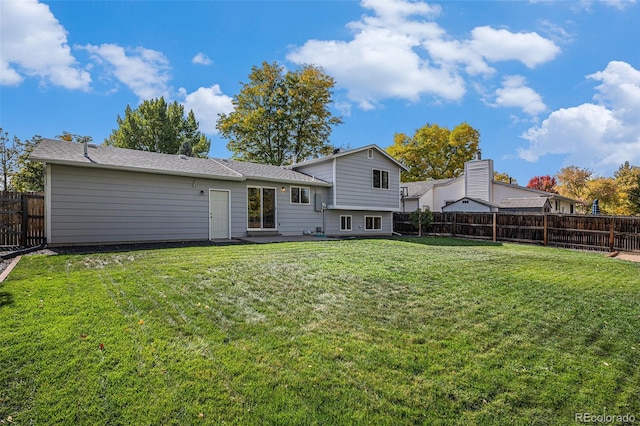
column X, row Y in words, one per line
column 218, row 214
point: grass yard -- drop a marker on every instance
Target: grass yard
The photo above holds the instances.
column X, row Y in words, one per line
column 402, row 331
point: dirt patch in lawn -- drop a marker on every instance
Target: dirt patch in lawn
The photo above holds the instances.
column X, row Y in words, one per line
column 633, row 257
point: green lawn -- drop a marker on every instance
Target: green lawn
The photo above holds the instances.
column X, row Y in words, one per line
column 427, row 331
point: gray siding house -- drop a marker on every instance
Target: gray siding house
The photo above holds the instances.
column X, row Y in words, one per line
column 97, row 194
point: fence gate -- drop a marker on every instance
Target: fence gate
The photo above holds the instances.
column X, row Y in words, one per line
column 21, row 219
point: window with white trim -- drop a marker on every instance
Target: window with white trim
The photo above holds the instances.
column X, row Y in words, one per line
column 380, row 179
column 370, row 153
column 300, row 195
column 372, row 223
column 345, row 223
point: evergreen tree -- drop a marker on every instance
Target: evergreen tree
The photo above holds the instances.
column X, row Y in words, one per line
column 156, row 126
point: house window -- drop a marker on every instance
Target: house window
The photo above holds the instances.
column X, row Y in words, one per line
column 300, row 195
column 345, row 223
column 380, row 179
column 557, row 205
column 261, row 208
column 372, row 223
column 370, row 153
column 571, row 210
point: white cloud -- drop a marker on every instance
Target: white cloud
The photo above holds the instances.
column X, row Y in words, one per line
column 515, row 93
column 619, row 4
column 600, row 135
column 207, row 103
column 34, row 44
column 501, row 45
column 399, row 52
column 201, row 59
column 144, row 71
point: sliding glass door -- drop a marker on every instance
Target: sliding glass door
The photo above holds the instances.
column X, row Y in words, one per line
column 261, row 208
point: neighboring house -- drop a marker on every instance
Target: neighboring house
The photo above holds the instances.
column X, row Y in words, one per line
column 526, row 205
column 513, row 205
column 481, row 192
column 97, row 194
column 471, row 205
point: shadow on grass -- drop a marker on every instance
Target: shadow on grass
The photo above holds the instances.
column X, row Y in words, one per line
column 5, row 299
column 448, row 242
column 127, row 247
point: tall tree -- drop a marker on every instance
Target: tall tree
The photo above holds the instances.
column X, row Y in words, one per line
column 435, row 152
column 634, row 197
column 627, row 179
column 572, row 182
column 74, row 137
column 29, row 175
column 159, row 127
column 604, row 190
column 504, row 177
column 280, row 118
column 9, row 150
column 543, row 183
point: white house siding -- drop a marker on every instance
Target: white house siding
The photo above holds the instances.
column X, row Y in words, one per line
column 354, row 181
column 500, row 192
column 449, row 192
column 479, row 175
column 357, row 223
column 410, row 205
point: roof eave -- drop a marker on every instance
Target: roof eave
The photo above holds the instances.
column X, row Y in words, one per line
column 317, row 182
column 136, row 169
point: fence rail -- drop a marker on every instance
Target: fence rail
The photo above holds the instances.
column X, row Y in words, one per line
column 612, row 233
column 21, row 219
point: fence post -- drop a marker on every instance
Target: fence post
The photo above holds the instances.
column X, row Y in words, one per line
column 455, row 223
column 495, row 226
column 25, row 219
column 545, row 231
column 612, row 238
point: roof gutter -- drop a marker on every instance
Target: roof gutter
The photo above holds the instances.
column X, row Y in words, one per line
column 137, row 169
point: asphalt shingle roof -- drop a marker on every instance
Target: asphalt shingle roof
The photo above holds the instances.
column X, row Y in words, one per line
column 70, row 153
column 418, row 189
column 266, row 171
column 524, row 202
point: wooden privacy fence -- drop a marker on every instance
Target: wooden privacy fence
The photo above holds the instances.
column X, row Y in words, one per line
column 21, row 219
column 571, row 231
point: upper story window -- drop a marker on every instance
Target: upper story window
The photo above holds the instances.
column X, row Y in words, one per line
column 370, row 153
column 380, row 179
column 300, row 195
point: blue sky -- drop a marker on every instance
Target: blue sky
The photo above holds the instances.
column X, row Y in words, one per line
column 547, row 83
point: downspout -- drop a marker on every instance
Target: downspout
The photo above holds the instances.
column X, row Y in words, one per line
column 335, row 184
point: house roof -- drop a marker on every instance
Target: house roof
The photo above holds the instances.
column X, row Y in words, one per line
column 524, row 202
column 269, row 172
column 475, row 200
column 98, row 156
column 418, row 189
column 543, row 194
column 349, row 152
